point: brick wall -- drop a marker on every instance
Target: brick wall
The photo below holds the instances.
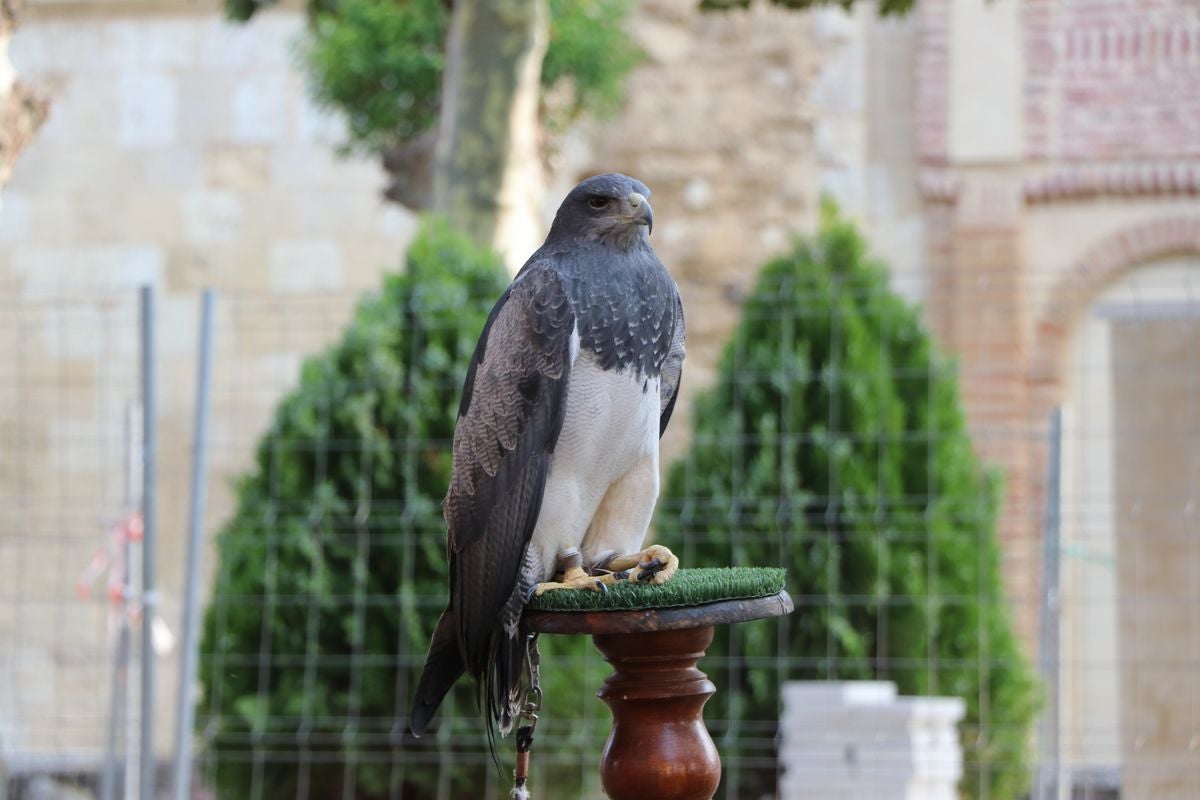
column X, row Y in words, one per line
column 1112, row 79
column 1112, row 131
column 933, row 80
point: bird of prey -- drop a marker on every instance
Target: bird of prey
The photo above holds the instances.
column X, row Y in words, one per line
column 555, row 456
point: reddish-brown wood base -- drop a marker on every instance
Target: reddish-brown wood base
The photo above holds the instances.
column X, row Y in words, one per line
column 658, row 747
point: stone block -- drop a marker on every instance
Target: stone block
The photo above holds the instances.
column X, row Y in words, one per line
column 773, row 238
column 839, row 88
column 311, row 167
column 49, row 270
column 840, row 143
column 260, row 109
column 820, row 694
column 986, row 94
column 312, row 213
column 238, row 168
column 305, row 265
column 81, row 109
column 141, row 43
column 34, row 693
column 227, row 46
column 43, row 582
column 178, row 328
column 697, row 194
column 834, row 25
column 205, row 116
column 147, row 105
column 173, row 168
column 395, row 223
column 179, row 348
column 366, row 263
column 15, row 217
column 10, row 572
column 191, row 267
column 266, row 44
column 96, row 214
column 211, row 216
column 47, row 170
column 858, row 739
column 239, row 266
column 49, row 46
column 278, row 369
column 73, row 332
column 153, row 212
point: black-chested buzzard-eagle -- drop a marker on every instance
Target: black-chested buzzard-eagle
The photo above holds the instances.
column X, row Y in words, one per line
column 555, row 462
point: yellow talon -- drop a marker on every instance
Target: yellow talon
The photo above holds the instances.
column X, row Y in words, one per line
column 655, row 565
column 576, row 578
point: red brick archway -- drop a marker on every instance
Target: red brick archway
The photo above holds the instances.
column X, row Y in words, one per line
column 1102, row 265
column 1014, row 359
column 1055, row 327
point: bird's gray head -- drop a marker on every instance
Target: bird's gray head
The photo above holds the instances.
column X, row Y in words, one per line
column 612, row 208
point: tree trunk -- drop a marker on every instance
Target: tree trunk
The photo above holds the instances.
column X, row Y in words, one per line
column 487, row 165
column 22, row 110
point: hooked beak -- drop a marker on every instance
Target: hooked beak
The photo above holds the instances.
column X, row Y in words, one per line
column 642, row 213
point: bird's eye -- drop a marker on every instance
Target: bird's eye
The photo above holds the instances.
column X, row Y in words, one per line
column 597, row 202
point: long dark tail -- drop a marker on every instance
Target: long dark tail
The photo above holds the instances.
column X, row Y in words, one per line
column 443, row 666
column 503, row 684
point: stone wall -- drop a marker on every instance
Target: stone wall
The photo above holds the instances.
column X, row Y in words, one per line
column 737, row 121
column 182, row 152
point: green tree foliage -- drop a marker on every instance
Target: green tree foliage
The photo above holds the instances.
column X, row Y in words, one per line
column 834, row 444
column 332, row 571
column 380, row 61
column 590, row 52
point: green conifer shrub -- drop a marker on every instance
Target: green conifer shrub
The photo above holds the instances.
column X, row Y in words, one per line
column 834, row 444
column 331, row 573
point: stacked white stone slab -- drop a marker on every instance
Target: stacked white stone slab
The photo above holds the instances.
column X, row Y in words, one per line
column 857, row 740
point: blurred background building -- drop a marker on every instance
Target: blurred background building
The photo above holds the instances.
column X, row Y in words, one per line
column 1030, row 171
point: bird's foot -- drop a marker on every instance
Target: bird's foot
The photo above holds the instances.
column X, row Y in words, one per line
column 570, row 574
column 575, row 578
column 656, row 564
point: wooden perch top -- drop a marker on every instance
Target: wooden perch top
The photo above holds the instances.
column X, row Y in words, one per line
column 648, row 620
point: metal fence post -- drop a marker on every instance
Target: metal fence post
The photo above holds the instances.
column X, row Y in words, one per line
column 119, row 689
column 1049, row 784
column 149, row 527
column 185, row 709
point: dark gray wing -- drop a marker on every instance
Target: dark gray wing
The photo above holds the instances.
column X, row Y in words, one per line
column 672, row 369
column 511, row 414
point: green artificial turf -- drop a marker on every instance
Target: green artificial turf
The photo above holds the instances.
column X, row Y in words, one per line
column 689, row 587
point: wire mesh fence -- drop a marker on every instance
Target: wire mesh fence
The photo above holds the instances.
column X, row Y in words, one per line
column 69, row 384
column 830, row 443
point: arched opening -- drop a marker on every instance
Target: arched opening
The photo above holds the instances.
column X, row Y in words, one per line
column 1129, row 682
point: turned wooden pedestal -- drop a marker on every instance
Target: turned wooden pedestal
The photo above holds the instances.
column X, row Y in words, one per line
column 658, row 747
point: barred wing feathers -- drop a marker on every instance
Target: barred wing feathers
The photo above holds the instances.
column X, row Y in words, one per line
column 512, row 411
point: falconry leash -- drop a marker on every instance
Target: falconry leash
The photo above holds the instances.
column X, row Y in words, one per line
column 533, row 703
